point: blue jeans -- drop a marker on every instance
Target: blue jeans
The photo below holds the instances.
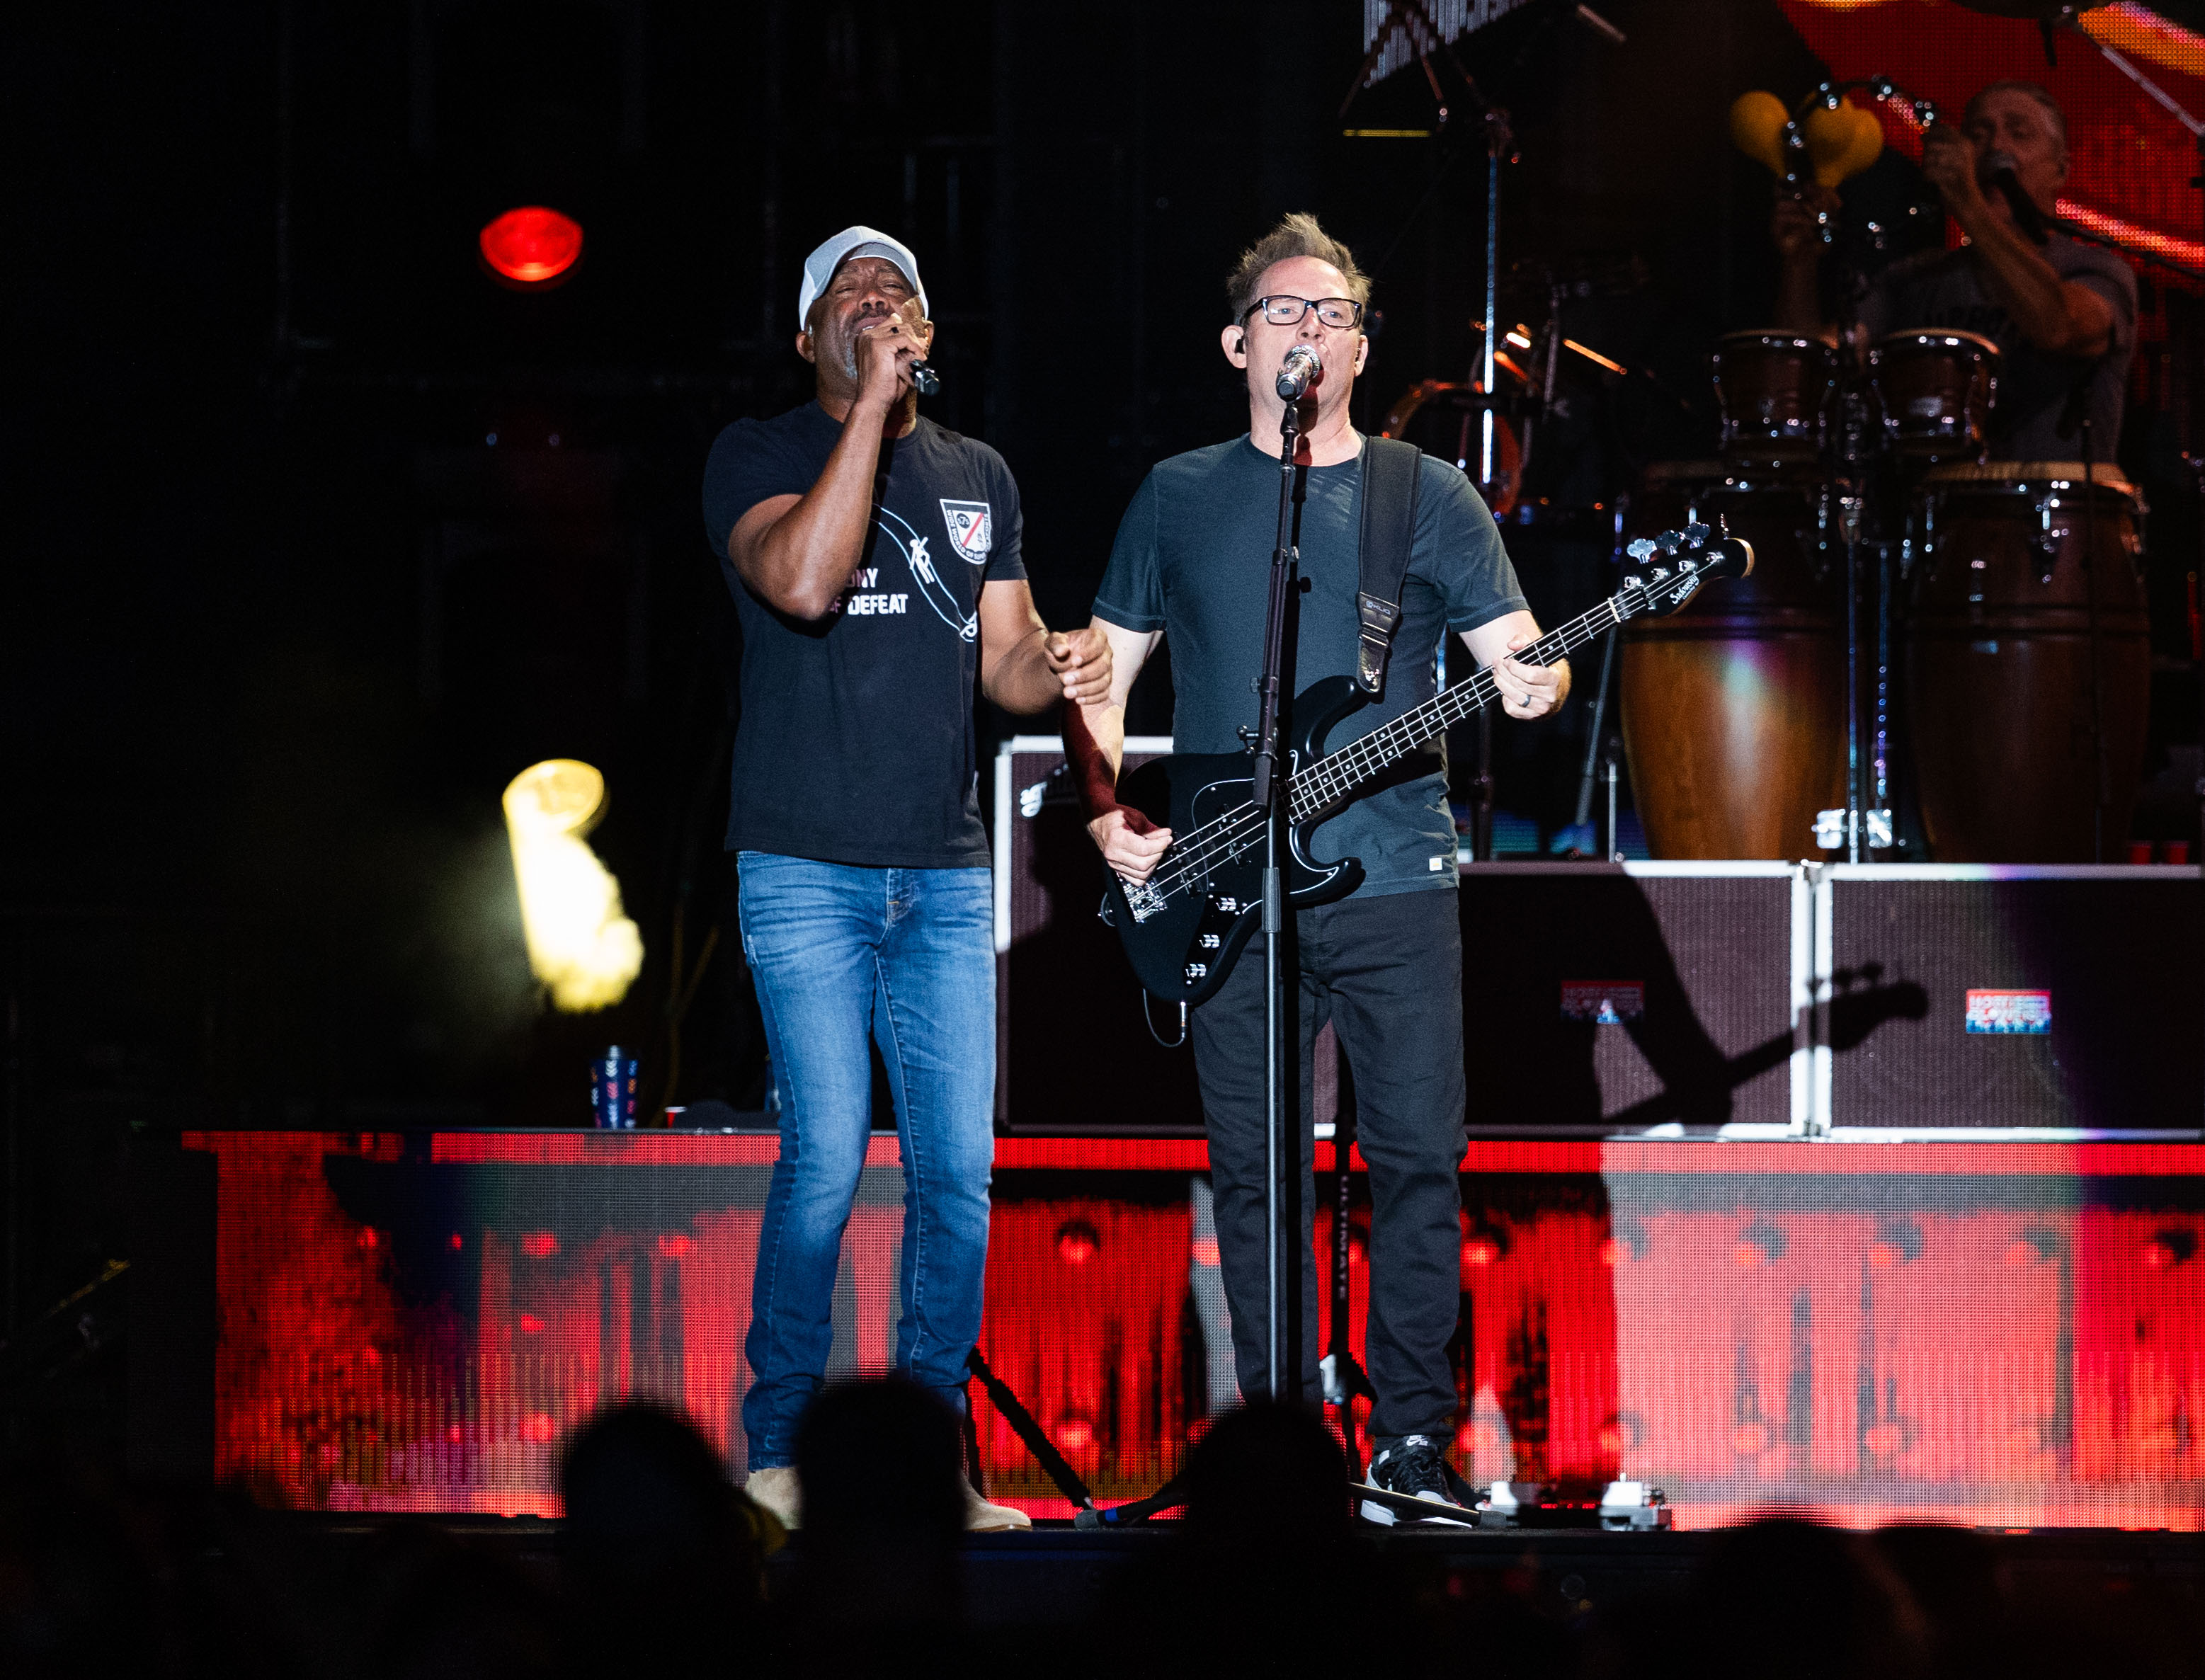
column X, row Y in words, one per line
column 840, row 955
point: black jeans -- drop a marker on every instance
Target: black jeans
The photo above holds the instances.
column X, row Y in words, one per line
column 1386, row 972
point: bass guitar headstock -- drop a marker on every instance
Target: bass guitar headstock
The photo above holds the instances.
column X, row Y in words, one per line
column 1666, row 571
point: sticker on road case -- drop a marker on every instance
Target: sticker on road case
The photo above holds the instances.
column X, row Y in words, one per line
column 1608, row 1003
column 1994, row 1011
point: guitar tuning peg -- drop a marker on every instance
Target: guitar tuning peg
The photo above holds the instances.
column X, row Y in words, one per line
column 1639, row 547
column 1670, row 541
column 1698, row 535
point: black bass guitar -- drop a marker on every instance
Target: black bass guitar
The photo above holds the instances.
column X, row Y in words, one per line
column 1186, row 924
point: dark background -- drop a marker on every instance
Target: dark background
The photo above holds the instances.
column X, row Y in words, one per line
column 317, row 536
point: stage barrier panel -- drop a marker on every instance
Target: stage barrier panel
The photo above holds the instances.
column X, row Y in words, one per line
column 2003, row 1333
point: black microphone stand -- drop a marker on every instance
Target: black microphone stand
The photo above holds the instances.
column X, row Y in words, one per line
column 2078, row 414
column 1348, row 1379
column 1279, row 1054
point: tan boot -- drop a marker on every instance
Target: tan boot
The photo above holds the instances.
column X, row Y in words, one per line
column 983, row 1518
column 775, row 1490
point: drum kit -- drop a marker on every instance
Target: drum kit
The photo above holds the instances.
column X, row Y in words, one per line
column 1937, row 655
column 1996, row 608
column 1990, row 614
column 1928, row 632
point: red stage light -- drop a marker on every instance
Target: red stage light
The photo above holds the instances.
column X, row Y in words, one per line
column 532, row 246
column 1077, row 1242
column 539, row 1244
column 675, row 1246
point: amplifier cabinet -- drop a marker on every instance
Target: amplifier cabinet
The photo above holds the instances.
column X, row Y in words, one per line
column 1073, row 1057
column 1634, row 995
column 2066, row 997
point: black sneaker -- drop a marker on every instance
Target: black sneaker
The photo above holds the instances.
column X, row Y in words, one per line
column 1415, row 1468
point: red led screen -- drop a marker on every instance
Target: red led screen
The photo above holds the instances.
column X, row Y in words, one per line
column 2132, row 160
column 2000, row 1333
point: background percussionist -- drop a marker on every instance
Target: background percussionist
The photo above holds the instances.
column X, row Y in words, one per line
column 2062, row 314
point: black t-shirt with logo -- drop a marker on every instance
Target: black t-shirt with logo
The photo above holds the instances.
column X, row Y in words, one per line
column 856, row 744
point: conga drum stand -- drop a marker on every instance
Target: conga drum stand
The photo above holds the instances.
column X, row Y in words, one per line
column 1865, row 820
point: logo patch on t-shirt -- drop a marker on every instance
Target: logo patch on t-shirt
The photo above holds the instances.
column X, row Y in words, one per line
column 972, row 528
column 933, row 587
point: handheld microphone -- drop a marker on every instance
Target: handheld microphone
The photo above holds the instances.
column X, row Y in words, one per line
column 2000, row 171
column 1302, row 365
column 925, row 380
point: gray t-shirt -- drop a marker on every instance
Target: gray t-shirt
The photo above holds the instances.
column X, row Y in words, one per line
column 1945, row 288
column 1192, row 560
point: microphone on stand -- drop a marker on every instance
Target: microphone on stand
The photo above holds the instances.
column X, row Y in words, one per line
column 1302, row 365
column 1999, row 171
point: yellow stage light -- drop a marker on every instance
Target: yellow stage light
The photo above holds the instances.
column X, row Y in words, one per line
column 579, row 945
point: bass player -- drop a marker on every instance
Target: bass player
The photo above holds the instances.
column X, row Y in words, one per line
column 1383, row 966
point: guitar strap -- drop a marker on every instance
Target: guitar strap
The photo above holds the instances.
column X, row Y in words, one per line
column 1391, row 472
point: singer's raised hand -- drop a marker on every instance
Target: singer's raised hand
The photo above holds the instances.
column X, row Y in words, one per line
column 887, row 347
column 1793, row 228
column 1948, row 163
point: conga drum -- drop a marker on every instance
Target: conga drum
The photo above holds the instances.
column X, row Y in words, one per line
column 1733, row 709
column 1998, row 661
column 1774, row 390
column 1934, row 388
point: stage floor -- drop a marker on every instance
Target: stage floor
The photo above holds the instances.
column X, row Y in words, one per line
column 1056, row 1577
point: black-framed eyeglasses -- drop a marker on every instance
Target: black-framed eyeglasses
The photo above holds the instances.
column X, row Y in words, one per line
column 1339, row 313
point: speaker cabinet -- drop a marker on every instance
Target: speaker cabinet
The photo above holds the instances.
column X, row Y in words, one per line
column 1632, row 994
column 2052, row 996
column 1074, row 1057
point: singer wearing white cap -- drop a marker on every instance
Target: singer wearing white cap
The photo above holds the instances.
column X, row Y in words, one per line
column 874, row 560
column 2062, row 314
column 1383, row 966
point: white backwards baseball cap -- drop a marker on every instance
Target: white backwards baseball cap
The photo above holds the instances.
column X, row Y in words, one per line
column 819, row 267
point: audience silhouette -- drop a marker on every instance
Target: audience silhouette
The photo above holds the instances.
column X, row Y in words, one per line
column 662, row 1567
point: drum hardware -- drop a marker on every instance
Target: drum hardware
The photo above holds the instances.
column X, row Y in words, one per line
column 1578, row 839
column 2047, row 542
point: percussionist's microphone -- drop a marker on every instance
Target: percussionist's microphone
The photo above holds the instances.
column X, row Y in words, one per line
column 2000, row 171
column 1301, row 366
